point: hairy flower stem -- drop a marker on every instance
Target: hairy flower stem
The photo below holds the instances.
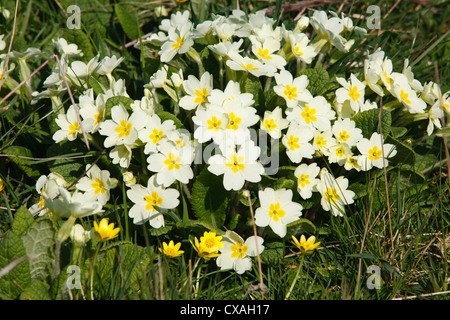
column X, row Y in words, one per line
column 92, row 271
column 295, row 279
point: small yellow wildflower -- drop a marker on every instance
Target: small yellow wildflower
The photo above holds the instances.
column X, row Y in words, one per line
column 105, row 231
column 2, row 185
column 204, row 251
column 171, row 250
column 305, row 246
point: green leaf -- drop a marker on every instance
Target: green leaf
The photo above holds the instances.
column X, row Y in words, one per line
column 37, row 290
column 318, row 80
column 128, row 20
column 398, row 132
column 16, row 152
column 300, row 226
column 39, row 241
column 13, row 283
column 164, row 115
column 23, row 220
column 209, row 199
column 69, row 168
column 273, row 252
column 368, row 122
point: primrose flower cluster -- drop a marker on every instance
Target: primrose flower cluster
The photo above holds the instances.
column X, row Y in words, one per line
column 223, row 115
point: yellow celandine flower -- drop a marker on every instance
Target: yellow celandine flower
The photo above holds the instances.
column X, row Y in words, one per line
column 105, row 231
column 203, row 250
column 2, row 185
column 211, row 240
column 171, row 250
column 305, row 246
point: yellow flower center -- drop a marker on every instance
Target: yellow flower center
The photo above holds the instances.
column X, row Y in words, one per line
column 308, row 114
column 177, row 45
column 353, row 93
column 236, row 163
column 239, row 250
column 303, row 180
column 275, row 212
column 264, row 54
column 248, row 66
column 98, row 117
column 153, row 200
column 234, row 121
column 290, row 92
column 293, row 142
column 270, row 124
column 340, row 152
column 388, row 80
column 404, row 96
column 214, row 124
column 201, row 96
column 374, row 153
column 331, row 195
column 172, row 162
column 320, row 142
column 343, row 136
column 124, row 128
column 74, row 128
column 156, row 136
column 297, row 51
column 98, row 185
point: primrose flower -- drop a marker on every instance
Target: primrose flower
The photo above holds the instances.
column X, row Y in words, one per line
column 292, row 90
column 121, row 154
column 329, row 29
column 70, row 126
column 352, row 91
column 345, row 131
column 316, row 113
column 148, row 200
column 79, row 236
column 300, row 47
column 335, row 195
column 306, row 246
column 74, row 204
column 255, row 67
column 96, row 184
column 374, row 153
column 297, row 142
column 171, row 250
column 266, row 52
column 93, row 111
column 339, row 153
column 122, row 128
column 79, row 70
column 323, row 141
column 237, row 166
column 307, row 179
column 172, row 163
column 48, row 185
column 277, row 210
column 240, row 118
column 105, row 231
column 155, row 132
column 197, row 91
column 230, row 95
column 66, row 49
column 273, row 123
column 179, row 41
column 237, row 254
column 406, row 95
column 210, row 122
